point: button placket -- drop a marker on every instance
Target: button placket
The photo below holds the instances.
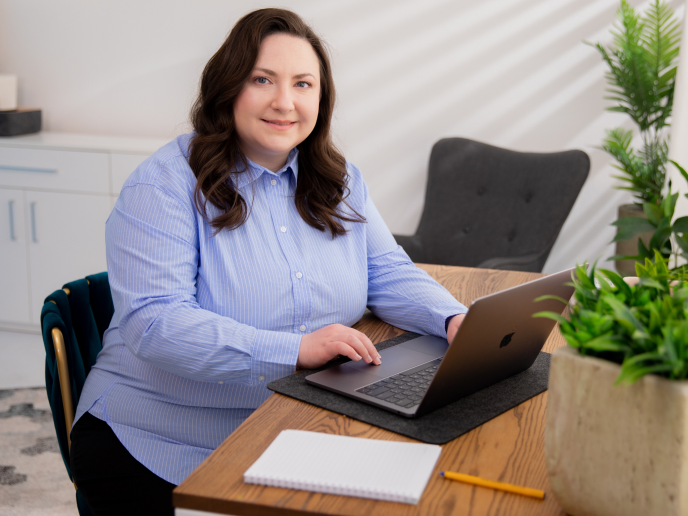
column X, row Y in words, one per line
column 282, row 208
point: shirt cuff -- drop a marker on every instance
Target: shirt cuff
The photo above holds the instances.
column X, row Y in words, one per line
column 442, row 316
column 447, row 320
column 274, row 355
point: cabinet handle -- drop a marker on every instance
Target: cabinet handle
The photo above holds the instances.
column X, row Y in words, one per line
column 33, row 222
column 13, row 236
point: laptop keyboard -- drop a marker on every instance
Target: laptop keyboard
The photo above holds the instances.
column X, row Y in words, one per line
column 405, row 389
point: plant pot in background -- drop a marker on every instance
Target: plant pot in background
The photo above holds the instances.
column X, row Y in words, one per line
column 615, row 450
column 630, row 247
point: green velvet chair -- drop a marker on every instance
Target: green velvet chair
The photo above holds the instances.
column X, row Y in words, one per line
column 73, row 321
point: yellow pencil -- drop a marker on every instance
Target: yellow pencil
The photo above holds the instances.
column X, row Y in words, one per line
column 470, row 479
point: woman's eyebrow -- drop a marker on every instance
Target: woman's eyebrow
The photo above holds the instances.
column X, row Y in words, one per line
column 271, row 73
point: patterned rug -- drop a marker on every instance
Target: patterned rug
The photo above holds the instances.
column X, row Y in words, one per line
column 33, row 479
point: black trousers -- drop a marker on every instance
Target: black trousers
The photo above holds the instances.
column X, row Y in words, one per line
column 109, row 478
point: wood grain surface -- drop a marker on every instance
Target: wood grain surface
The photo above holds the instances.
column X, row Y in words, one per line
column 509, row 448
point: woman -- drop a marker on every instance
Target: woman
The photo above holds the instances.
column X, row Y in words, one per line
column 236, row 254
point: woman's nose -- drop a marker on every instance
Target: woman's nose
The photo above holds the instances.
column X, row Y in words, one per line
column 283, row 99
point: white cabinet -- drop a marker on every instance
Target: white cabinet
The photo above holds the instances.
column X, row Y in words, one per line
column 14, row 300
column 67, row 240
column 56, row 192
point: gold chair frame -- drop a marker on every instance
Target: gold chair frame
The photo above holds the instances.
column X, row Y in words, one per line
column 63, row 374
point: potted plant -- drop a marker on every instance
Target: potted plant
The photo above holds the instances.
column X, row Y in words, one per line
column 616, row 436
column 642, row 61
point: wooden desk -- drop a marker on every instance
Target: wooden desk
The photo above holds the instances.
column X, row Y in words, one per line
column 509, row 448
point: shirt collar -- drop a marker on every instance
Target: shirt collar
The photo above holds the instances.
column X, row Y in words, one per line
column 255, row 171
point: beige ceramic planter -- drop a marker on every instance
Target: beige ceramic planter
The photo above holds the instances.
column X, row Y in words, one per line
column 615, row 450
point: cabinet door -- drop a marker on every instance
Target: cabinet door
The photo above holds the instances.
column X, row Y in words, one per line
column 66, row 240
column 14, row 294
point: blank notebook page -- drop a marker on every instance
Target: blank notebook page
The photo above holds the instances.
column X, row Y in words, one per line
column 351, row 466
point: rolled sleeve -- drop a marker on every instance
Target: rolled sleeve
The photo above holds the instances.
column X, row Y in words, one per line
column 274, row 355
column 400, row 293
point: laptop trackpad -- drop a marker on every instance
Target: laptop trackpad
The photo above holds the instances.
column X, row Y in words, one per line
column 433, row 346
column 393, row 362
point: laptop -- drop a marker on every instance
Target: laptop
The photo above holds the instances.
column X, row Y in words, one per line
column 498, row 338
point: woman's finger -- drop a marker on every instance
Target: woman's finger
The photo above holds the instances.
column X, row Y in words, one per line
column 369, row 346
column 353, row 340
column 346, row 350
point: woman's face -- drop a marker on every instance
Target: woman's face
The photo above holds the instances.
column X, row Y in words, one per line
column 278, row 107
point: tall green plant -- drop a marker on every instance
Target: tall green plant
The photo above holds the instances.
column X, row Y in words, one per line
column 669, row 239
column 642, row 61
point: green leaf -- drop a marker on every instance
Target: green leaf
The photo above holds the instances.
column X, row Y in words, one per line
column 618, row 282
column 680, row 225
column 660, row 265
column 681, row 170
column 617, row 257
column 556, row 298
column 635, row 374
column 606, row 343
column 630, row 227
column 653, row 213
column 652, row 283
column 583, row 279
column 551, row 315
column 682, row 241
column 668, row 205
column 643, row 251
column 624, row 315
column 662, row 236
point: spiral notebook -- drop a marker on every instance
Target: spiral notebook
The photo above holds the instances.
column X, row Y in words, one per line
column 349, row 466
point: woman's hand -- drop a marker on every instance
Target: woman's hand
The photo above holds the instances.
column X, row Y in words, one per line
column 321, row 346
column 454, row 326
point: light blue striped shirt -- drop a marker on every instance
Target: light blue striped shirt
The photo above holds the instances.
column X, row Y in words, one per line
column 202, row 323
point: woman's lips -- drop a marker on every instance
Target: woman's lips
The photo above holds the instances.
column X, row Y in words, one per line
column 280, row 125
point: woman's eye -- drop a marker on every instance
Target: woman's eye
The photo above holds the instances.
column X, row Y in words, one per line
column 261, row 80
column 303, row 84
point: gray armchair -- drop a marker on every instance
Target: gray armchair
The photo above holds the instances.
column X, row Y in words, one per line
column 494, row 208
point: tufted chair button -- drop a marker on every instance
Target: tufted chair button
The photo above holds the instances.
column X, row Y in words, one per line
column 481, row 190
column 528, row 197
column 467, row 229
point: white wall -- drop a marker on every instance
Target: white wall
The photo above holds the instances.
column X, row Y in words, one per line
column 513, row 73
column 678, row 151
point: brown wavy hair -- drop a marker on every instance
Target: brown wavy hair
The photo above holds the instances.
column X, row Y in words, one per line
column 215, row 155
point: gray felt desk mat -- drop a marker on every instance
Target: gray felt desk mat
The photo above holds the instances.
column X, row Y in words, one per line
column 438, row 427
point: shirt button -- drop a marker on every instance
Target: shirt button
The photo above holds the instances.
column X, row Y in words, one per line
column 302, row 327
column 273, row 182
column 299, row 275
column 220, row 382
column 283, row 229
column 261, row 378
